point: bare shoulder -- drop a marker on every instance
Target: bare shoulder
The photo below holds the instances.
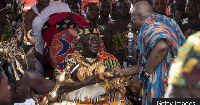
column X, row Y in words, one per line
column 30, row 14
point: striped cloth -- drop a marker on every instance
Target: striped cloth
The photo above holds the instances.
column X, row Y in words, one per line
column 157, row 27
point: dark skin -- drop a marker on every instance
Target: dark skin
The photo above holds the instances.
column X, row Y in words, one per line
column 20, row 90
column 179, row 5
column 192, row 14
column 139, row 14
column 75, row 8
column 69, row 2
column 160, row 6
column 30, row 16
column 118, row 26
column 4, row 89
column 113, row 12
column 92, row 12
column 105, row 8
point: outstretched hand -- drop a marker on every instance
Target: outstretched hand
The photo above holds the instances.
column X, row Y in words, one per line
column 117, row 71
column 71, row 86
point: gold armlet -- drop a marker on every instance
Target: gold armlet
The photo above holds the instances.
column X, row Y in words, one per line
column 100, row 70
column 81, row 74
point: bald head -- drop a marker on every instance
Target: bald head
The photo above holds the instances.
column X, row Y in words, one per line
column 141, row 11
column 142, row 6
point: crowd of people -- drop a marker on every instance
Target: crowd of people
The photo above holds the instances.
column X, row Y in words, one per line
column 77, row 57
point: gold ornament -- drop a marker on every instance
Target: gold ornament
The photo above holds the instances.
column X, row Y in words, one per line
column 81, row 73
column 87, row 31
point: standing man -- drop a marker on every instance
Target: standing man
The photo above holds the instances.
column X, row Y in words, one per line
column 160, row 6
column 192, row 12
column 105, row 8
column 179, row 12
column 158, row 43
column 36, row 17
column 111, row 40
column 92, row 13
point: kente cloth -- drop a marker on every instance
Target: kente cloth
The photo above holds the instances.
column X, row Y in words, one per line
column 157, row 27
column 184, row 71
column 112, row 98
column 40, row 19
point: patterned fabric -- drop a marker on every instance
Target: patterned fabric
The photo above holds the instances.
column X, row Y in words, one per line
column 59, row 22
column 184, row 71
column 115, row 40
column 157, row 27
column 109, row 61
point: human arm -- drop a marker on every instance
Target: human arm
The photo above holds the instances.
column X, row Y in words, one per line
column 71, row 86
column 29, row 16
column 129, row 71
column 157, row 54
column 39, row 83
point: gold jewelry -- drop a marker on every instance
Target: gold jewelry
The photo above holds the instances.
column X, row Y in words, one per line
column 81, row 74
column 89, row 73
column 108, row 74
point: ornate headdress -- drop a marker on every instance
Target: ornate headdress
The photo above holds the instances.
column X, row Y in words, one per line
column 10, row 50
column 86, row 30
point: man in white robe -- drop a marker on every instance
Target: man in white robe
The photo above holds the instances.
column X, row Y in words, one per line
column 36, row 17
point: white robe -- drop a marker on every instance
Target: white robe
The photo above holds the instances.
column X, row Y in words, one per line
column 38, row 22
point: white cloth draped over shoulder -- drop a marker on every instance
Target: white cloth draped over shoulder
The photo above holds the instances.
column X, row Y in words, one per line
column 41, row 18
column 38, row 22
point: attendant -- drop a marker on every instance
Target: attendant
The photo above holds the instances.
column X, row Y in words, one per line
column 113, row 12
column 76, row 8
column 111, row 40
column 92, row 13
column 36, row 17
column 160, row 6
column 184, row 73
column 18, row 80
column 105, row 8
column 179, row 12
column 192, row 12
column 156, row 55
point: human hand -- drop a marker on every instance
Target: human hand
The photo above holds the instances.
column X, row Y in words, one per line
column 117, row 71
column 71, row 86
